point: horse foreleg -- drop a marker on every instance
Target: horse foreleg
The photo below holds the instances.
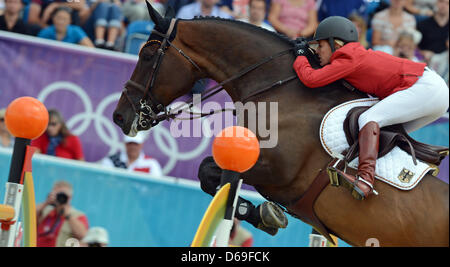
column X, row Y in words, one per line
column 267, row 217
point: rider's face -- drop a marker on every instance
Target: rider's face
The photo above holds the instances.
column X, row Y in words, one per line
column 324, row 52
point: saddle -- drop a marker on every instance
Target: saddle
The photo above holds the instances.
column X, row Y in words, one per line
column 393, row 139
column 390, row 137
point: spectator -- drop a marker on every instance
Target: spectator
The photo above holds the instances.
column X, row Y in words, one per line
column 294, row 18
column 406, row 45
column 57, row 220
column 11, row 19
column 41, row 10
column 62, row 30
column 239, row 236
column 434, row 31
column 387, row 25
column 103, row 20
column 421, row 9
column 257, row 13
column 135, row 10
column 96, row 237
column 327, row 8
column 2, row 6
column 202, row 8
column 361, row 27
column 58, row 140
column 439, row 62
column 178, row 4
column 134, row 159
column 6, row 139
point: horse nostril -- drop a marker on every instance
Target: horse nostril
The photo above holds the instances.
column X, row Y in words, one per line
column 118, row 119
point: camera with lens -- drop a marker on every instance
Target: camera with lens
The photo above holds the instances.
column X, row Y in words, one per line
column 94, row 245
column 61, row 198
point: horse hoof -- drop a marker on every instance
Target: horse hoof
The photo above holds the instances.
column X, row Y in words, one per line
column 272, row 215
column 270, row 230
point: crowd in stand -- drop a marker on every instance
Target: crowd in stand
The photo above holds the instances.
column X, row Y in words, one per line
column 413, row 29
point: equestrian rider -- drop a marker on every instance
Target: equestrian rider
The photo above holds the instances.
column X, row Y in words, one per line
column 410, row 93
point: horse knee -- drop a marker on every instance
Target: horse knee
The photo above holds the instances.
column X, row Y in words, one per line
column 209, row 174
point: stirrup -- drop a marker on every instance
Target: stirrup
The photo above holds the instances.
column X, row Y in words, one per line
column 339, row 180
column 358, row 179
column 356, row 192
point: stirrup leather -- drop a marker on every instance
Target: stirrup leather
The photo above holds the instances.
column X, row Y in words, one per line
column 332, row 173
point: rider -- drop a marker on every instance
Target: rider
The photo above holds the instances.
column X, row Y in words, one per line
column 410, row 93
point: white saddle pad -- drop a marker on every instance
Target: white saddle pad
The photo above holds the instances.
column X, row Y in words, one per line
column 395, row 168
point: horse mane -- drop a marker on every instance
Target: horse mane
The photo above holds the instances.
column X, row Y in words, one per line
column 251, row 27
column 315, row 63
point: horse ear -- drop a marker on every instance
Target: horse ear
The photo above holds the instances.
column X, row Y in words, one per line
column 154, row 15
column 170, row 12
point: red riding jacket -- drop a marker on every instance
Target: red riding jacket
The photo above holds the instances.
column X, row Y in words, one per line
column 373, row 72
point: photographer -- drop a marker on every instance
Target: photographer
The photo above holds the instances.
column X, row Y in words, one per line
column 57, row 220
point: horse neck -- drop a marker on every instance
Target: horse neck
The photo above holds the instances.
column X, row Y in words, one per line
column 229, row 49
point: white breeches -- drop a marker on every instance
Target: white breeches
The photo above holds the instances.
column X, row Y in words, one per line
column 424, row 102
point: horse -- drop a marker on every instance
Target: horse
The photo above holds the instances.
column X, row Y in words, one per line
column 180, row 52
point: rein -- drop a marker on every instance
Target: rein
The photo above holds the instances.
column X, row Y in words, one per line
column 149, row 112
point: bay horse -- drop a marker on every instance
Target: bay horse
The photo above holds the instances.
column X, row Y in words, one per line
column 181, row 52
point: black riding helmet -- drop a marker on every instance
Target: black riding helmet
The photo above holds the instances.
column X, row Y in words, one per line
column 336, row 27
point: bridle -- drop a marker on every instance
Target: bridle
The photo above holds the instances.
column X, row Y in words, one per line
column 151, row 111
column 148, row 111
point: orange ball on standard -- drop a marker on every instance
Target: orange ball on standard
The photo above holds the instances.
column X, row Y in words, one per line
column 236, row 149
column 26, row 117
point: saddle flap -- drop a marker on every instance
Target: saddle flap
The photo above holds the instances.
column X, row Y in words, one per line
column 338, row 134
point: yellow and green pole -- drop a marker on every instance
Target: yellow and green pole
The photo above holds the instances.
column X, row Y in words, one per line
column 26, row 118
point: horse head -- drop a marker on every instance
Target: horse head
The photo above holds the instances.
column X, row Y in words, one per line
column 161, row 74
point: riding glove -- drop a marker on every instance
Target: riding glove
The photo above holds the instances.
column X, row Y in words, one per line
column 303, row 49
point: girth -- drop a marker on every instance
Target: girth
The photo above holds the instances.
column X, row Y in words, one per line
column 303, row 208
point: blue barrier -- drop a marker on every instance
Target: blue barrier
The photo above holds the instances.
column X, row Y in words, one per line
column 138, row 210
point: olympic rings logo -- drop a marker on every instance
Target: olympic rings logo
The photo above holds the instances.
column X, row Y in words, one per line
column 165, row 142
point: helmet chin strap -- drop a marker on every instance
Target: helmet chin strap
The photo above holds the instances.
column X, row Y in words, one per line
column 332, row 45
